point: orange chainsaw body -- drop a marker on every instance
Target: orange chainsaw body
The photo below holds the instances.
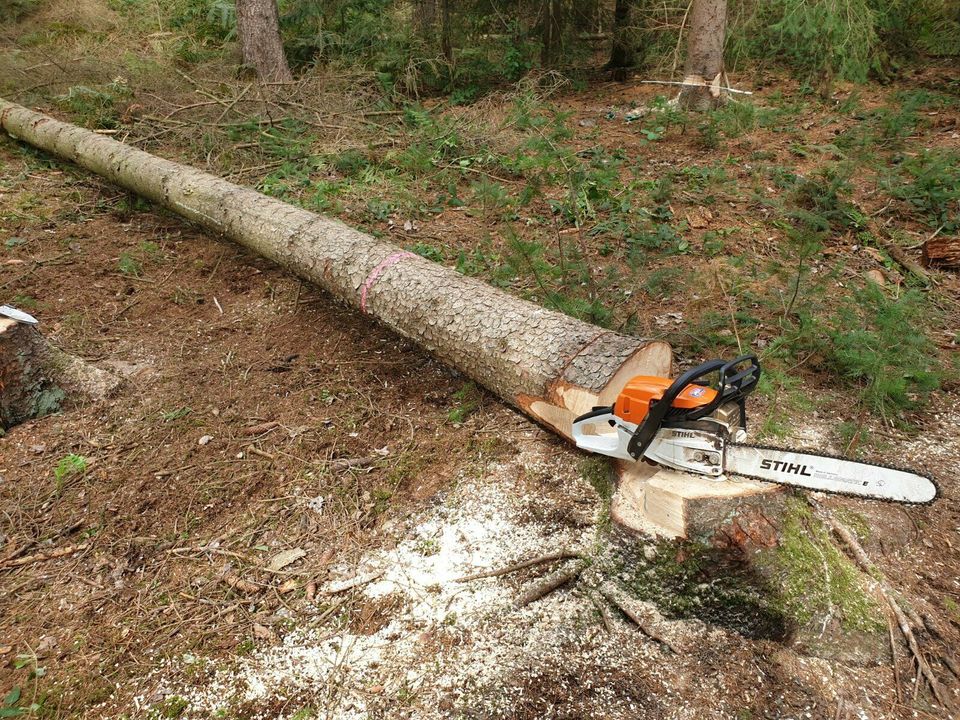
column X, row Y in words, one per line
column 634, row 400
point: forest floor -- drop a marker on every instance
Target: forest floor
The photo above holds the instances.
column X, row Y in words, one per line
column 271, row 517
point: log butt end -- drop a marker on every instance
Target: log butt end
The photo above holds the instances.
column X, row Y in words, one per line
column 666, row 503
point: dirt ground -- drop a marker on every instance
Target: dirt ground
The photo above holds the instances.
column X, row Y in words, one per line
column 277, row 507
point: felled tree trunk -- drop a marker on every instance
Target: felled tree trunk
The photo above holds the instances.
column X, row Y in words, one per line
column 942, row 252
column 258, row 29
column 551, row 366
column 704, row 63
column 37, row 377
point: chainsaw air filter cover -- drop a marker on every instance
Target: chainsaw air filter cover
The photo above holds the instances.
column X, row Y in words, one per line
column 634, row 400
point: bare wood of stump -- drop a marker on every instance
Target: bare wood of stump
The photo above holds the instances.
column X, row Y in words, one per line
column 863, row 560
column 549, row 557
column 943, row 252
column 552, row 582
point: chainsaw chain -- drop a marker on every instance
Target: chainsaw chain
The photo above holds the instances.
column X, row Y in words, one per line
column 928, row 476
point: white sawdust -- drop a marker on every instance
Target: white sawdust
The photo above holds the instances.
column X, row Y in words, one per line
column 481, row 524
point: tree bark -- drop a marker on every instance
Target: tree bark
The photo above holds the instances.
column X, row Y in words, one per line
column 258, row 28
column 425, row 17
column 622, row 53
column 704, row 64
column 942, row 252
column 551, row 366
column 550, row 38
column 446, row 44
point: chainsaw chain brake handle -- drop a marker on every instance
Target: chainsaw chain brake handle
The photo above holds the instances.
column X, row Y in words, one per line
column 736, row 380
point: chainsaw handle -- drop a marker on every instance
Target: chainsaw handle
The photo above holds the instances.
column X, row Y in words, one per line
column 657, row 412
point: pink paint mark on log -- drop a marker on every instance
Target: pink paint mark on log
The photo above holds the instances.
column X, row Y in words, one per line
column 378, row 271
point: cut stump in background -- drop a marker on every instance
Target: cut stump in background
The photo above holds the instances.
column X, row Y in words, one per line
column 37, row 377
column 942, row 252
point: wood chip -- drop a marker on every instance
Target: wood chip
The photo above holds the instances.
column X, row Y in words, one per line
column 354, row 582
column 284, row 558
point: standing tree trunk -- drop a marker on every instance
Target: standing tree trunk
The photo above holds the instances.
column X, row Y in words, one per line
column 552, row 27
column 551, row 366
column 446, row 45
column 621, row 54
column 704, row 66
column 425, row 17
column 258, row 27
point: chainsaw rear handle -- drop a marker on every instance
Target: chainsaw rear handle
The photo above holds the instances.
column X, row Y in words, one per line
column 731, row 386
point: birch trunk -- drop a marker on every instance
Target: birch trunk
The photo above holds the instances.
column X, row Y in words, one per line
column 551, row 366
column 704, row 64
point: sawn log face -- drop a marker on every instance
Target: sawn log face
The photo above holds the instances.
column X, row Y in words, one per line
column 550, row 365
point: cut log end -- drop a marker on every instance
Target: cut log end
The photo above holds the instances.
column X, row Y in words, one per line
column 942, row 252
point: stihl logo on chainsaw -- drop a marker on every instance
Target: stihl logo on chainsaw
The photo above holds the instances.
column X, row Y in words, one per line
column 785, row 467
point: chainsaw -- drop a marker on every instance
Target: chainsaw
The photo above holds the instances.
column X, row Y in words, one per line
column 694, row 425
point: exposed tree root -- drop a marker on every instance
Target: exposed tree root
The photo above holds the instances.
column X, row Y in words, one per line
column 903, row 622
column 549, row 557
column 648, row 622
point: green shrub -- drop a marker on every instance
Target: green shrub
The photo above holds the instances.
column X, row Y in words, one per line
column 932, row 186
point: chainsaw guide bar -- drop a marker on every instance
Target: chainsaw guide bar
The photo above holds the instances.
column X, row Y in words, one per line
column 692, row 426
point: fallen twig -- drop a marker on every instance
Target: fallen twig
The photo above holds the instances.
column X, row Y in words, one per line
column 549, row 557
column 552, row 582
column 44, row 556
column 345, row 463
column 354, row 582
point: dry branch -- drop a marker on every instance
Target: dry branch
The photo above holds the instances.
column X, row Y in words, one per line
column 549, row 557
column 552, row 582
column 44, row 556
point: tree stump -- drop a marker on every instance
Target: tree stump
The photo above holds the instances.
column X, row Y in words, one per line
column 942, row 252
column 36, row 377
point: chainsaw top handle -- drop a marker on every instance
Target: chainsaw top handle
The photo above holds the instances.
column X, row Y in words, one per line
column 734, row 383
